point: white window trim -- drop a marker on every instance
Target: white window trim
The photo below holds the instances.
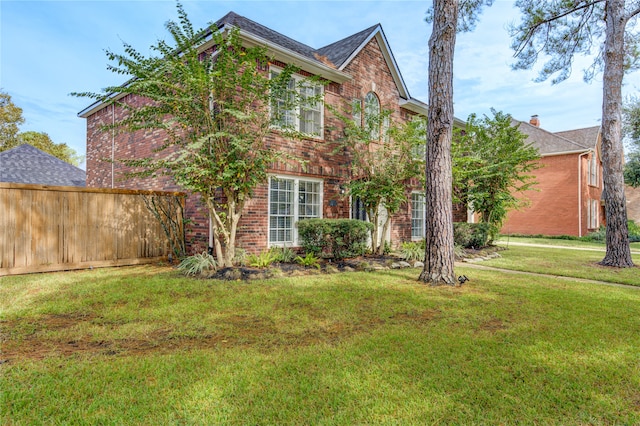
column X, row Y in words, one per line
column 424, row 215
column 297, row 79
column 296, row 186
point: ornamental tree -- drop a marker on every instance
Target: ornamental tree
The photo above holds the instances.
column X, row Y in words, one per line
column 492, row 163
column 384, row 156
column 214, row 101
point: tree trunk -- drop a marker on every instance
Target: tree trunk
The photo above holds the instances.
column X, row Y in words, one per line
column 439, row 254
column 618, row 251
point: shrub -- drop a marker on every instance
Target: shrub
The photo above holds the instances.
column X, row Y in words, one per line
column 462, row 234
column 198, row 264
column 634, row 231
column 411, row 251
column 601, row 234
column 470, row 235
column 337, row 238
column 596, row 236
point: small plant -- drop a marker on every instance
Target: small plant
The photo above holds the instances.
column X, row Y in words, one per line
column 283, row 254
column 411, row 251
column 240, row 256
column 310, row 260
column 198, row 264
column 262, row 260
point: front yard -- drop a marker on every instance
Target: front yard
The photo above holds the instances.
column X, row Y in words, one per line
column 143, row 345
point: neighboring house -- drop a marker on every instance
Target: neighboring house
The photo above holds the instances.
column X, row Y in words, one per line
column 568, row 197
column 633, row 203
column 27, row 164
column 360, row 69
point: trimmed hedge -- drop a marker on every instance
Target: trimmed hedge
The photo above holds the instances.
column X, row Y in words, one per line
column 334, row 238
column 471, row 235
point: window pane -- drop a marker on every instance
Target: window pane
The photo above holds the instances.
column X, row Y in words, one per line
column 281, row 205
column 417, row 215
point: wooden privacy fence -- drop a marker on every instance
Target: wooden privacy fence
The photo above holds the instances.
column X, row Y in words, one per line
column 52, row 228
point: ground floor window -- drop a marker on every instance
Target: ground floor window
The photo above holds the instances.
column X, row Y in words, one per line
column 417, row 215
column 357, row 209
column 290, row 200
column 592, row 214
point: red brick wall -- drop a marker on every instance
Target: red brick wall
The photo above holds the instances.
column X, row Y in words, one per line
column 369, row 72
column 556, row 206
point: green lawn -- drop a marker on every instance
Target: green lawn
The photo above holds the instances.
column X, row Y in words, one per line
column 560, row 261
column 142, row 345
column 506, row 239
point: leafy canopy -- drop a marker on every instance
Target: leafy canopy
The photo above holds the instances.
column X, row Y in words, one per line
column 210, row 97
column 385, row 155
column 492, row 163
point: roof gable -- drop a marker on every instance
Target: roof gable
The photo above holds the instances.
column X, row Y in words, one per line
column 27, row 164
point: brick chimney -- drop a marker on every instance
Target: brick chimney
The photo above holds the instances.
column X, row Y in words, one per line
column 534, row 121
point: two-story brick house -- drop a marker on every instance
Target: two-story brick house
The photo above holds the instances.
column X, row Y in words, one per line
column 360, row 69
column 567, row 198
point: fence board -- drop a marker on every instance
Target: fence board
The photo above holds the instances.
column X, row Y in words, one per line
column 46, row 228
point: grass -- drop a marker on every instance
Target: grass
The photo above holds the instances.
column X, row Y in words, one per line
column 506, row 239
column 143, row 345
column 559, row 261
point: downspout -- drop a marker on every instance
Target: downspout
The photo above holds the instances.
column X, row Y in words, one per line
column 580, row 192
column 113, row 143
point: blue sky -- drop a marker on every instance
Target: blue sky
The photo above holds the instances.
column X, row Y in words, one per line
column 49, row 49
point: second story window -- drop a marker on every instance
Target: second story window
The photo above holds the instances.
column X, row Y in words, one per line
column 372, row 115
column 299, row 106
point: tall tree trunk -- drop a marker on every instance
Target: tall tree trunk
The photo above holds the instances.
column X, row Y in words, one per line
column 618, row 250
column 439, row 255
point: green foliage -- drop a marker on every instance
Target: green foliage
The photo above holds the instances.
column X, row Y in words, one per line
column 561, row 30
column 198, row 264
column 601, row 234
column 471, row 235
column 491, row 163
column 283, row 254
column 385, row 154
column 10, row 119
column 213, row 108
column 309, row 261
column 240, row 256
column 336, row 238
column 632, row 169
column 262, row 260
column 597, row 236
column 43, row 142
column 412, row 251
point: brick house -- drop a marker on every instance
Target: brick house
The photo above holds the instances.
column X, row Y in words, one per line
column 567, row 198
column 360, row 69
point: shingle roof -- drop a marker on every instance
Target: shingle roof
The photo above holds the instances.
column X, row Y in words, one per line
column 268, row 34
column 587, row 136
column 341, row 50
column 552, row 143
column 27, row 164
